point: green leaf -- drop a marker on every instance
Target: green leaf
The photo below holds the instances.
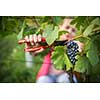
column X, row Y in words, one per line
column 92, row 53
column 47, row 31
column 60, row 58
column 88, row 30
column 82, row 65
column 20, row 35
column 53, row 36
column 41, row 28
column 78, row 21
column 57, row 20
column 67, row 62
column 96, row 21
column 62, row 32
column 50, row 34
column 96, row 69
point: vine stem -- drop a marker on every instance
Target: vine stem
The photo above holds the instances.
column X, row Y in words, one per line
column 80, row 37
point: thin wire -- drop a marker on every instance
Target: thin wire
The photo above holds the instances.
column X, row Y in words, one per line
column 15, row 60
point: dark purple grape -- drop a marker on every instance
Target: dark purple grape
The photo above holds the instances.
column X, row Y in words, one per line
column 72, row 51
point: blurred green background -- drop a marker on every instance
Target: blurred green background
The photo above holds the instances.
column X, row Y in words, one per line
column 13, row 67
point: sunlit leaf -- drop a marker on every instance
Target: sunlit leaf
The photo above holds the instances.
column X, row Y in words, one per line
column 47, row 31
column 50, row 34
column 88, row 30
column 96, row 21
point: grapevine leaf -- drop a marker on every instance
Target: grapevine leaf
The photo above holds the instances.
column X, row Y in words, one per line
column 53, row 36
column 60, row 58
column 50, row 34
column 92, row 54
column 57, row 20
column 82, row 65
column 96, row 69
column 78, row 21
column 67, row 62
column 96, row 21
column 88, row 30
column 47, row 31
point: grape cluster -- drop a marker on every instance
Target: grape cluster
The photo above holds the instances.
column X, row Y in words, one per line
column 72, row 51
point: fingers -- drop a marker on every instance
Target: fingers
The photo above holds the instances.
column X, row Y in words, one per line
column 27, row 45
column 33, row 39
column 39, row 38
column 26, row 38
column 38, row 51
column 42, row 49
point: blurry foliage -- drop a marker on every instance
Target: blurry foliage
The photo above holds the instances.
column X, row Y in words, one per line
column 12, row 62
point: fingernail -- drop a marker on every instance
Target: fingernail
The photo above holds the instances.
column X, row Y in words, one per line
column 39, row 38
column 35, row 38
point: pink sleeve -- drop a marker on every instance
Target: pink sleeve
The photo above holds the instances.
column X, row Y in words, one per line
column 45, row 66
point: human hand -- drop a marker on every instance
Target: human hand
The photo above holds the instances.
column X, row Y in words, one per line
column 33, row 41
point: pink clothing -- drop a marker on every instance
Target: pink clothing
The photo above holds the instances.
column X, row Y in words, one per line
column 44, row 70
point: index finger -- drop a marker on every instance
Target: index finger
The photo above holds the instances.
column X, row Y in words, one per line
column 27, row 45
